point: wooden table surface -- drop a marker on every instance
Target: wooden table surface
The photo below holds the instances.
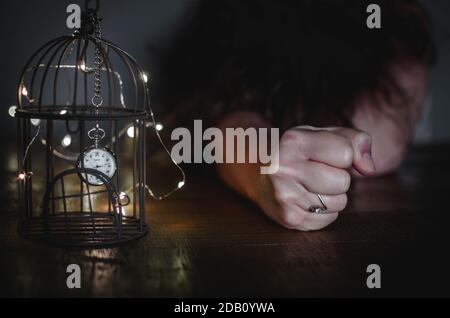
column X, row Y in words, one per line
column 207, row 241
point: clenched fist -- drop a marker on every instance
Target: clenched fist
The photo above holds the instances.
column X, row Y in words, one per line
column 314, row 161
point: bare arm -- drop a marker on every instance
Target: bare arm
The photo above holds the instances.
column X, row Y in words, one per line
column 318, row 160
column 242, row 177
column 312, row 161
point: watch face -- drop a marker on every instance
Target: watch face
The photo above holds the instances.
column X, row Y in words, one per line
column 99, row 159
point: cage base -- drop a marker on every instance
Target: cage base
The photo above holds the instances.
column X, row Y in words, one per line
column 83, row 230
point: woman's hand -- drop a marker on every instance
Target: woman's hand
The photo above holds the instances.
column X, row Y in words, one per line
column 314, row 161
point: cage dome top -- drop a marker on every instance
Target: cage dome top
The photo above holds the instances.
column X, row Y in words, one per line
column 69, row 75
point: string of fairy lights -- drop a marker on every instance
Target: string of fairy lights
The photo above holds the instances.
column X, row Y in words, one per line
column 129, row 130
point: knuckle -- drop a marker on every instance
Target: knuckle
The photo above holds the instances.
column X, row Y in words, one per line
column 362, row 136
column 291, row 216
column 286, row 155
column 291, row 171
column 278, row 196
column 290, row 136
column 342, row 202
column 289, row 219
column 300, row 172
column 283, row 196
column 318, row 222
column 347, row 153
column 303, row 137
column 346, row 181
column 325, row 134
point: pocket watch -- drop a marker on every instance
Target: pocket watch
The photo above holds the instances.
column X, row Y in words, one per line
column 97, row 158
column 100, row 159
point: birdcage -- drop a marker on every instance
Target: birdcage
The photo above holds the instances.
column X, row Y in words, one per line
column 83, row 108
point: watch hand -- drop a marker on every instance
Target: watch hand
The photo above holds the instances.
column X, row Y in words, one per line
column 98, row 166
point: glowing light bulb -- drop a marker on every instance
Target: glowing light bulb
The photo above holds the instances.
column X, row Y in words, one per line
column 24, row 91
column 122, row 195
column 130, row 131
column 159, row 127
column 35, row 122
column 145, row 77
column 21, row 176
column 12, row 111
column 66, row 141
column 180, row 184
column 63, row 112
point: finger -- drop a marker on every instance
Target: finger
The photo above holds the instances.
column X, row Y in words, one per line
column 291, row 192
column 314, row 222
column 321, row 146
column 317, row 177
column 294, row 217
column 362, row 149
column 333, row 203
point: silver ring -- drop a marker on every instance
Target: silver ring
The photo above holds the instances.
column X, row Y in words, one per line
column 318, row 209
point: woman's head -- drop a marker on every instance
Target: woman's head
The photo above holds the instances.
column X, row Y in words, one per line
column 292, row 57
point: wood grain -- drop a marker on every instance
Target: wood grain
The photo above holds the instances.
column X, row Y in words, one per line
column 207, row 241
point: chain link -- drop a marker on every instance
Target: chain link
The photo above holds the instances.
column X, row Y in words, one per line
column 97, row 133
column 97, row 100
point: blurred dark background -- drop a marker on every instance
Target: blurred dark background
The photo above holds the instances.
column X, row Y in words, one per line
column 146, row 28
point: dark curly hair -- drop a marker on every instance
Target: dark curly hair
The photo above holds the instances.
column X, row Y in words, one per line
column 289, row 59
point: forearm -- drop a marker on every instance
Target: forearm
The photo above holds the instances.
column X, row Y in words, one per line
column 242, row 177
